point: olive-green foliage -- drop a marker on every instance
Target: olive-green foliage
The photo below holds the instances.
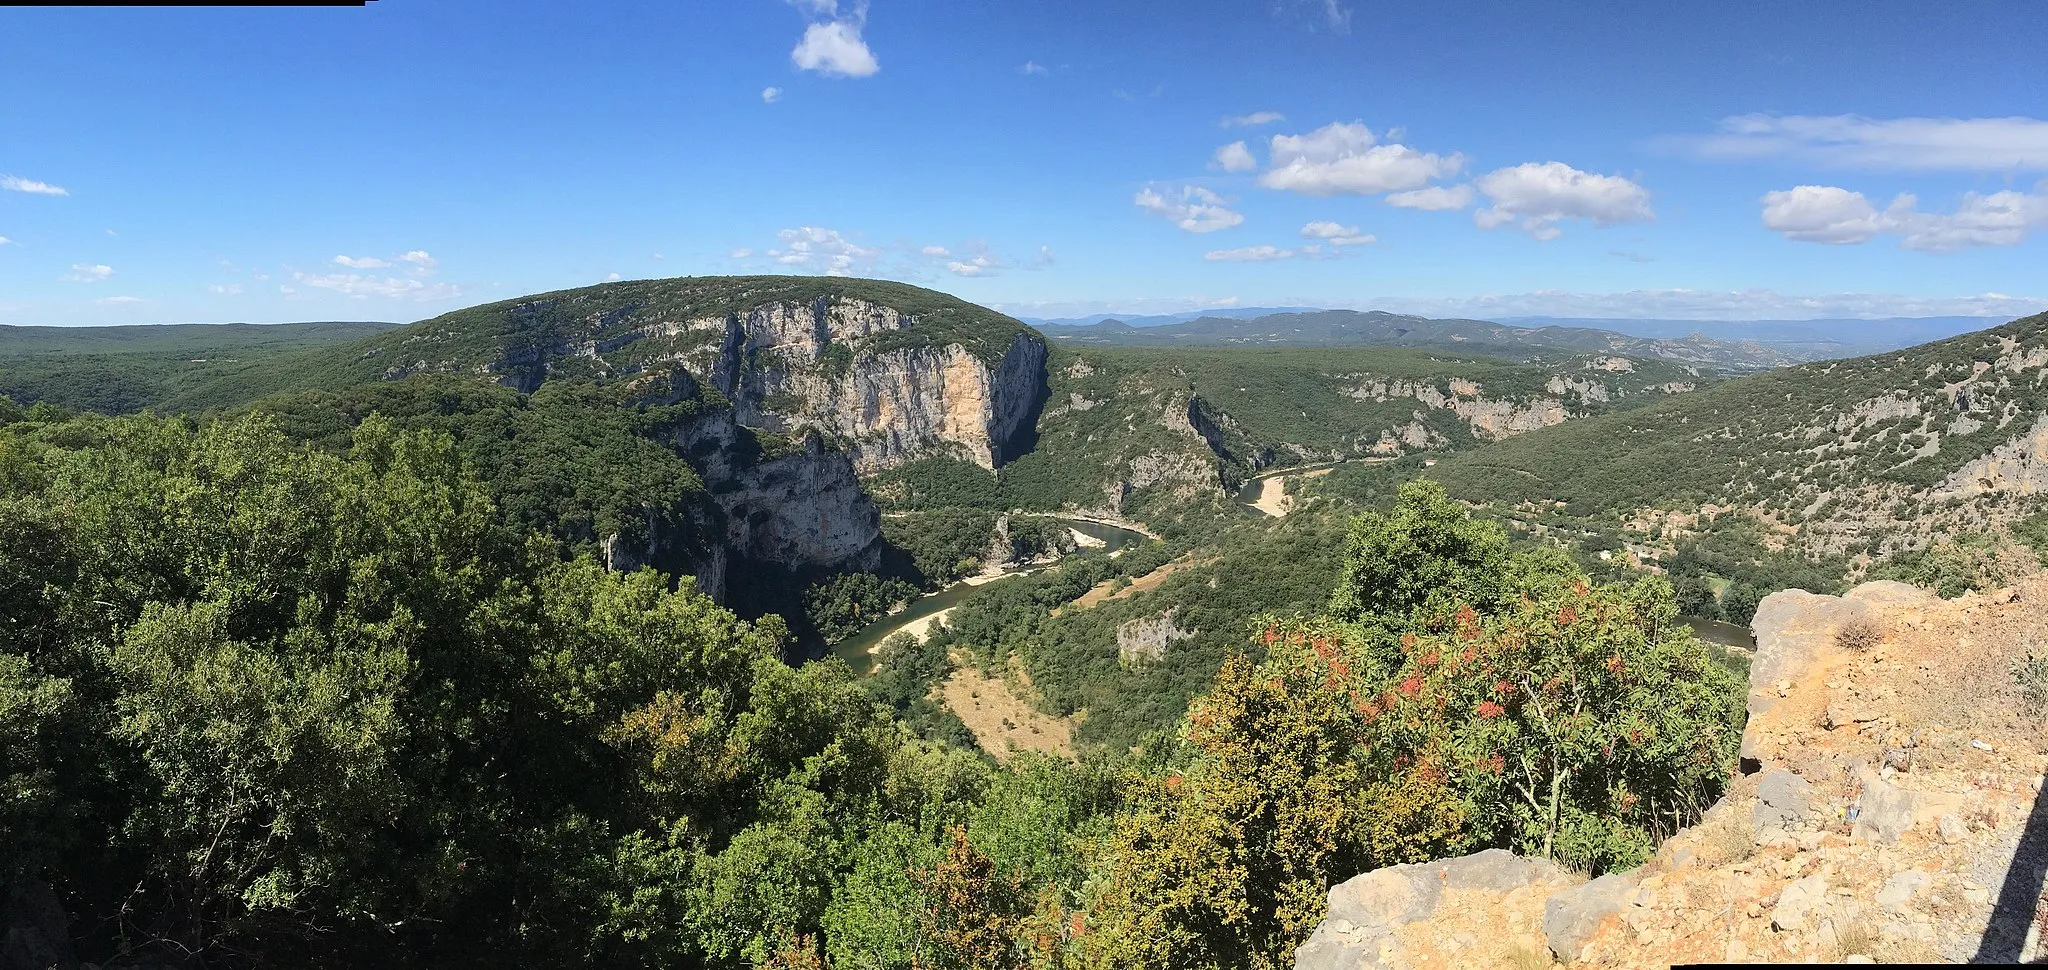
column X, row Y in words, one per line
column 282, row 705
column 118, row 370
column 1073, row 659
column 1958, row 565
column 844, row 604
column 1418, row 562
column 942, row 545
column 571, row 461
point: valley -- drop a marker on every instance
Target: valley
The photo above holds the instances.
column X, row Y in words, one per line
column 1048, row 557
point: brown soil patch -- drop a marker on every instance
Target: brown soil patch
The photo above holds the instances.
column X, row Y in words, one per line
column 1101, row 592
column 1002, row 722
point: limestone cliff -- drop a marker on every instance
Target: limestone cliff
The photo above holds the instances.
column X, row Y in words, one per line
column 890, row 373
column 800, row 384
column 1891, row 812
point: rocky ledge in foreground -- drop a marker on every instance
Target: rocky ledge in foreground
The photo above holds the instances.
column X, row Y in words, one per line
column 1889, row 810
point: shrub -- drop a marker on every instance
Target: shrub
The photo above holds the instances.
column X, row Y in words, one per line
column 1860, row 634
column 2030, row 673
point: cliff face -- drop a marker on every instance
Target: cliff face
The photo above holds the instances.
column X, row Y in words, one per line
column 896, row 406
column 855, row 369
column 1891, row 810
column 845, row 377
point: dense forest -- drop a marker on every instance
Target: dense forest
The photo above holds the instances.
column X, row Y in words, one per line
column 270, row 701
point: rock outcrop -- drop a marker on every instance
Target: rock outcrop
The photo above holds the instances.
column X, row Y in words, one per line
column 1914, row 830
column 1489, row 418
column 1374, row 918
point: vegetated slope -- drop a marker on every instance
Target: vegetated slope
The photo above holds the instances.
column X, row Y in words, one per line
column 123, row 369
column 1127, row 427
column 1818, row 339
column 1865, row 457
column 1349, row 328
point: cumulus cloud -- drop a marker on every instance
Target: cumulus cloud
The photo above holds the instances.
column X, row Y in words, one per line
column 1335, row 234
column 360, row 286
column 224, row 289
column 1234, row 157
column 1834, row 215
column 360, row 262
column 1822, row 214
column 421, row 262
column 4, row 241
column 1538, row 195
column 14, row 183
column 979, row 265
column 1191, row 207
column 834, row 48
column 88, row 273
column 1347, row 159
column 1033, row 67
column 1853, row 141
column 1252, row 120
column 1249, row 254
column 825, row 250
column 771, row 95
column 1435, row 198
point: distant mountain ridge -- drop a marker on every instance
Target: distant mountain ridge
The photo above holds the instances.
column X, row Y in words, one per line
column 1377, row 328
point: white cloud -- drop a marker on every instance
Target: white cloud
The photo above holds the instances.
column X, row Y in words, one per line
column 1853, row 141
column 771, row 95
column 811, row 247
column 1346, row 159
column 935, row 251
column 834, row 49
column 1192, row 208
column 1042, row 259
column 119, row 300
column 1436, row 198
column 362, row 262
column 1335, row 234
column 980, row 265
column 1234, row 157
column 16, row 184
column 1538, row 195
column 224, row 289
column 1683, row 304
column 1252, row 120
column 422, row 263
column 742, row 253
column 1033, row 67
column 1822, row 214
column 817, row 8
column 388, row 287
column 1249, row 254
column 88, row 273
column 4, row 241
column 1830, row 214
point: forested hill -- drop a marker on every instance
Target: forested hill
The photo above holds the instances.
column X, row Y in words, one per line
column 1349, row 328
column 119, row 369
column 1859, row 457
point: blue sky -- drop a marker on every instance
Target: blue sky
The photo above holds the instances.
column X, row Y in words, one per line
column 1050, row 157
